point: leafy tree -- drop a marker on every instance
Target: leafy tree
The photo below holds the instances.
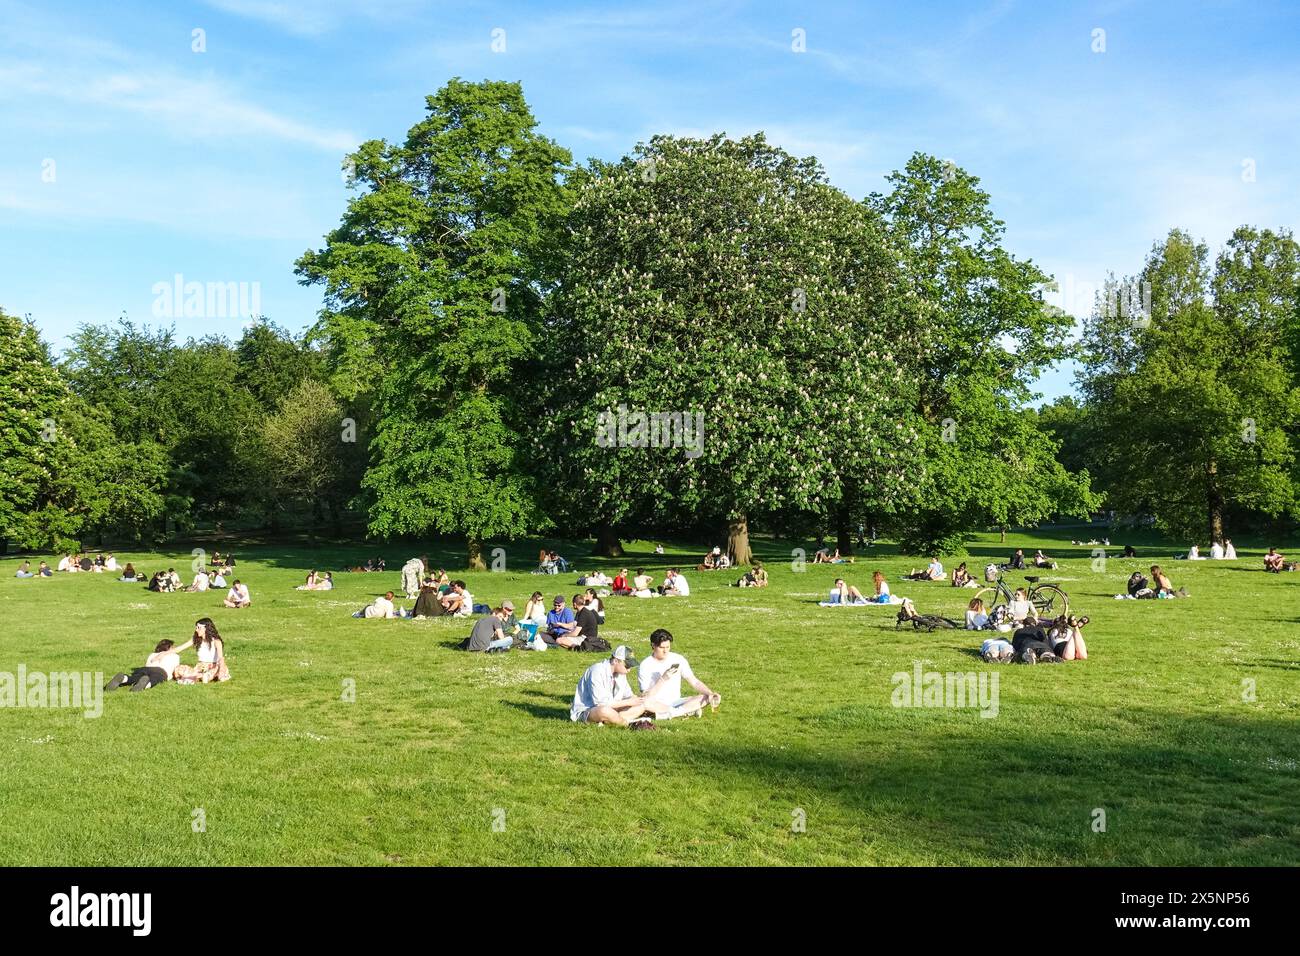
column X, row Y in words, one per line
column 306, row 447
column 270, row 363
column 987, row 335
column 1201, row 404
column 726, row 280
column 435, row 282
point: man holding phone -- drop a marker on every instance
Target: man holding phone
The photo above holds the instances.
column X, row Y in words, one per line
column 660, row 677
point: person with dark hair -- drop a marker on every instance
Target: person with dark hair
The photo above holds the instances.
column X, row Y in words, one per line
column 427, row 604
column 1017, row 560
column 603, row 695
column 1130, row 551
column 595, row 604
column 585, row 617
column 562, row 628
column 238, row 595
column 158, row 668
column 488, row 634
column 25, row 571
column 660, row 677
column 457, row 602
column 212, row 656
column 129, row 574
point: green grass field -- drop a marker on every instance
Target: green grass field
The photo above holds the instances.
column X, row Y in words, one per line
column 1153, row 728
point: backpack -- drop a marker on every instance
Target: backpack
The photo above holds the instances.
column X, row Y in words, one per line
column 593, row 644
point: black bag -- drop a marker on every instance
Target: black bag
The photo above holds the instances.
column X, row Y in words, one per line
column 594, row 644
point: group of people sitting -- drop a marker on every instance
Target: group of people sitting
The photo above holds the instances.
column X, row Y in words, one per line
column 1139, row 588
column 1276, row 563
column 604, row 695
column 1218, row 552
column 548, row 562
column 715, row 560
column 84, row 562
column 164, row 664
column 846, row 595
column 372, row 564
column 317, row 582
column 642, row 585
column 574, row 628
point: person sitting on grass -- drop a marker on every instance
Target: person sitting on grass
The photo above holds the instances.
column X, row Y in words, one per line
column 1130, row 551
column 535, row 610
column 129, row 573
column 218, row 578
column 562, row 628
column 595, row 579
column 1138, row 586
column 488, row 634
column 160, row 582
column 238, row 595
column 25, row 571
column 755, row 577
column 1017, row 560
column 457, row 602
column 310, row 583
column 675, row 584
column 962, row 578
column 1021, row 609
column 1229, row 550
column 592, row 600
column 158, row 668
column 844, row 594
column 584, row 615
column 201, row 583
column 427, row 603
column 212, row 656
column 977, row 617
column 1163, row 587
column 933, row 572
column 881, row 587
column 1216, row 551
column 660, row 678
column 603, row 695
column 174, row 576
column 326, row 583
column 1273, row 561
column 1043, row 561
column 44, row 571
column 641, row 585
column 710, row 563
column 380, row 607
column 621, row 586
column 65, row 562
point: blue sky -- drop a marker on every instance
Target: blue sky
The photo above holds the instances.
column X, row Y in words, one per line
column 224, row 165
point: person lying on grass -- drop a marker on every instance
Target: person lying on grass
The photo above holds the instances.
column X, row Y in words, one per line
column 158, row 668
column 1043, row 561
column 212, row 656
column 660, row 677
column 238, row 595
column 933, row 572
column 381, row 607
column 603, row 695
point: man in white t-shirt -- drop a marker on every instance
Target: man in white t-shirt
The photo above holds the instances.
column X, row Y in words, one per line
column 604, row 695
column 238, row 595
column 660, row 677
column 675, row 584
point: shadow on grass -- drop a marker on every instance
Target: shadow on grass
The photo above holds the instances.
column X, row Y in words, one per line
column 538, row 710
column 1177, row 789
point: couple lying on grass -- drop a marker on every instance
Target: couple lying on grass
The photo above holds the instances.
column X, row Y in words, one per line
column 1034, row 642
column 164, row 664
column 846, row 595
column 604, row 696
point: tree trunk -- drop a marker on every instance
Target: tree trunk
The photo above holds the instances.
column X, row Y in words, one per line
column 476, row 562
column 1214, row 504
column 607, row 543
column 738, row 541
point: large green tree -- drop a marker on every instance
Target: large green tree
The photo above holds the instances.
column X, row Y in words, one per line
column 435, row 284
column 1198, row 399
column 727, row 286
column 988, row 335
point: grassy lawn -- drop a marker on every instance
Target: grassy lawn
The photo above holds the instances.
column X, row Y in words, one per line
column 1153, row 728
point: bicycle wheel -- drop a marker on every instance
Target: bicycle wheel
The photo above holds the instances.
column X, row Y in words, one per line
column 993, row 596
column 1049, row 601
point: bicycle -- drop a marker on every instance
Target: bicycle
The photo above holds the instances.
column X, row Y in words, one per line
column 1045, row 598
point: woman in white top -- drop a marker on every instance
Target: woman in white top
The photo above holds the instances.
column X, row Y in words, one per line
column 1229, row 552
column 976, row 617
column 535, row 609
column 218, row 579
column 1194, row 553
column 212, row 656
column 596, row 604
column 1216, row 551
column 1022, row 611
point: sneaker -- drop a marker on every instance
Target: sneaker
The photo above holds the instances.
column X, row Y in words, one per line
column 117, row 681
column 1029, row 657
column 141, row 684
